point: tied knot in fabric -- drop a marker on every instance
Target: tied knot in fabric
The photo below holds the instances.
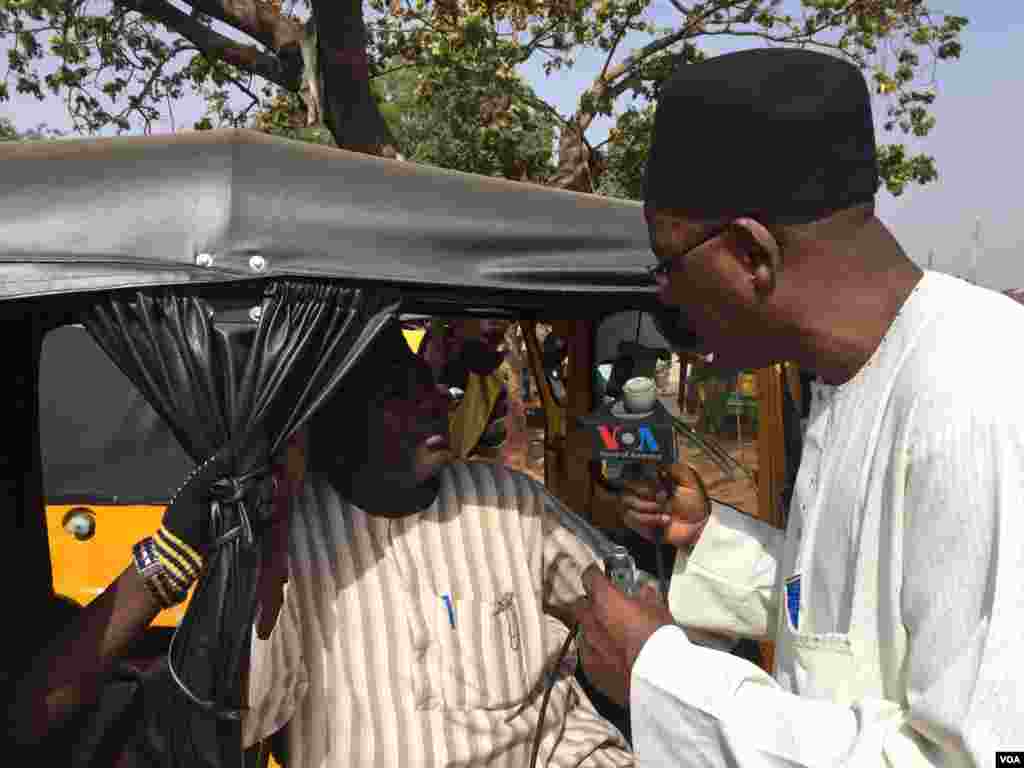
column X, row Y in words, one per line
column 235, row 490
column 231, row 489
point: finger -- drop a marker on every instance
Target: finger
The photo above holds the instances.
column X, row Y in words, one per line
column 572, row 613
column 644, row 489
column 653, row 504
column 631, row 502
column 649, row 592
column 646, row 520
column 591, row 579
column 605, row 599
column 680, row 474
column 688, row 481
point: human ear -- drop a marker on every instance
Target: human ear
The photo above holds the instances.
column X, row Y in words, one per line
column 760, row 253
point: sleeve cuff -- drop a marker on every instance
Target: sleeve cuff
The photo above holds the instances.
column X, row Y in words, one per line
column 726, row 584
column 665, row 646
column 701, row 678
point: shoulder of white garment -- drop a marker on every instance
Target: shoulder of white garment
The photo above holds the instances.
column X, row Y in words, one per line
column 960, row 367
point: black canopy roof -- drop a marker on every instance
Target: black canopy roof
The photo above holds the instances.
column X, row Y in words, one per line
column 229, row 205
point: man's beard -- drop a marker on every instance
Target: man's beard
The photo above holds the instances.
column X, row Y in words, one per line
column 386, row 492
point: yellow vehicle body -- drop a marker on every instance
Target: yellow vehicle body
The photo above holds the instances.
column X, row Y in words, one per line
column 82, row 569
column 414, row 338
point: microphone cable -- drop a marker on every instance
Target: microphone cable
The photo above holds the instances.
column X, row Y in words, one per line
column 552, row 677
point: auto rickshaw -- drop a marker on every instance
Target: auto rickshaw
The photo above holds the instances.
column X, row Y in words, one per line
column 169, row 295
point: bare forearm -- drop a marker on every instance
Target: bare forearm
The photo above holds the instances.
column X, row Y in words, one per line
column 273, row 575
column 67, row 675
column 270, row 588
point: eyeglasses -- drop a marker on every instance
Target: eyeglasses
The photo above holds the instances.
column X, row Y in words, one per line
column 664, row 268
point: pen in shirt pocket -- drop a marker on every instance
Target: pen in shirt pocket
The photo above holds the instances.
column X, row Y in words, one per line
column 447, row 598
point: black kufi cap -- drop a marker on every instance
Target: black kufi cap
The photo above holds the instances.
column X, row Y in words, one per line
column 343, row 410
column 386, row 355
column 785, row 135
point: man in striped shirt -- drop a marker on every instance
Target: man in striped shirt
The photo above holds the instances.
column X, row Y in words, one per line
column 416, row 620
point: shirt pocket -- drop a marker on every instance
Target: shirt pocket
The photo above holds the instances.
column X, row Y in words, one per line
column 481, row 652
column 827, row 668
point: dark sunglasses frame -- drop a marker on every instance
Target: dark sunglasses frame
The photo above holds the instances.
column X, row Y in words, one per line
column 666, row 267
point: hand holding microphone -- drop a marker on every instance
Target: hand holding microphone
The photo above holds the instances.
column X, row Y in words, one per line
column 674, row 506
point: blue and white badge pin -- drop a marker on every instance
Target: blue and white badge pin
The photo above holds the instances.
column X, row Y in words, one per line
column 793, row 600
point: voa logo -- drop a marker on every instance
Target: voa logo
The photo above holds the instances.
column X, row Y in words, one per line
column 617, row 439
column 1009, row 758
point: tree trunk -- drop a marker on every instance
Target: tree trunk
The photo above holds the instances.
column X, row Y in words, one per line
column 574, row 171
column 349, row 108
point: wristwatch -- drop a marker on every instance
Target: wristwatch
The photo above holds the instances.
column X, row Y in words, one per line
column 167, row 588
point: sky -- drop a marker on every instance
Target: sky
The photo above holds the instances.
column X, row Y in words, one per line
column 979, row 113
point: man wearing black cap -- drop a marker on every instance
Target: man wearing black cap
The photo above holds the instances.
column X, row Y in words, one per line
column 895, row 597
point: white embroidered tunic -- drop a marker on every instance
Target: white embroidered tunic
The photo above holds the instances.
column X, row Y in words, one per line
column 896, row 597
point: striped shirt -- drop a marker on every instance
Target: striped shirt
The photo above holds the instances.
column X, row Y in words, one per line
column 423, row 641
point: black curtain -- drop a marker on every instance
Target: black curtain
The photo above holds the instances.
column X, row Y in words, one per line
column 243, row 394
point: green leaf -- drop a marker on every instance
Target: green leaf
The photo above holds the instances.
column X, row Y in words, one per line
column 7, row 130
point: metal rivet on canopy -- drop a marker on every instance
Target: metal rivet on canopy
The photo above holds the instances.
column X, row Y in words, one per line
column 204, row 260
column 257, row 263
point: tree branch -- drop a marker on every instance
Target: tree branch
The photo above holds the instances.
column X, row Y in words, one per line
column 135, row 107
column 631, row 61
column 399, row 68
column 215, row 10
column 612, row 48
column 214, row 45
column 245, row 112
column 543, row 33
column 540, row 104
column 575, row 152
column 678, row 6
column 601, row 83
column 170, row 110
column 258, row 21
column 245, row 89
column 800, row 38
